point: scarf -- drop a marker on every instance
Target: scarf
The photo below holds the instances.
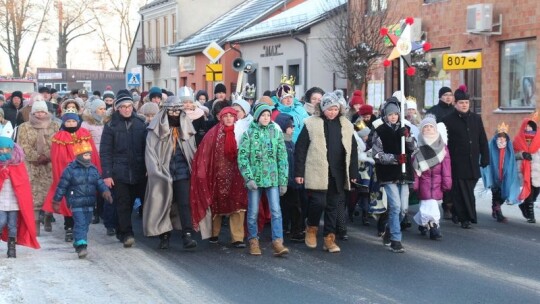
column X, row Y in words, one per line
column 502, row 170
column 530, row 144
column 194, row 114
column 41, row 125
column 428, row 155
column 84, row 162
column 230, row 148
column 14, row 158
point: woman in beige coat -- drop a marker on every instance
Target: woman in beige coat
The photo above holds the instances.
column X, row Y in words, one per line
column 35, row 138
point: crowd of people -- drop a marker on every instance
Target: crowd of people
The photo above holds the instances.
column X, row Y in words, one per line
column 194, row 162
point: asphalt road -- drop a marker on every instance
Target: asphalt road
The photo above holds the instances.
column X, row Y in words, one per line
column 491, row 263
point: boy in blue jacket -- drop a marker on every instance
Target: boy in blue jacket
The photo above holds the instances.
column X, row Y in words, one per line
column 79, row 183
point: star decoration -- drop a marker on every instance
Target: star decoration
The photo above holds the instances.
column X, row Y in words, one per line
column 403, row 46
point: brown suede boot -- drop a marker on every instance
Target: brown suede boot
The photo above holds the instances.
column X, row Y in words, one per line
column 279, row 249
column 311, row 236
column 254, row 248
column 330, row 243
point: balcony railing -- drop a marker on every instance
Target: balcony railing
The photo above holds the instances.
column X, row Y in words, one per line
column 148, row 56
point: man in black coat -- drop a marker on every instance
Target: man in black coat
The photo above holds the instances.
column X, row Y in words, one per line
column 122, row 149
column 468, row 146
column 12, row 107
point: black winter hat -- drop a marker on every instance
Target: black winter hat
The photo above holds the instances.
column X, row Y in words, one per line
column 460, row 95
column 42, row 90
column 220, row 88
column 123, row 96
column 17, row 94
column 444, row 90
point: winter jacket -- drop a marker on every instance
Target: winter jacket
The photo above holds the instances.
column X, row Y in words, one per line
column 432, row 183
column 326, row 147
column 468, row 145
column 296, row 110
column 95, row 128
column 441, row 110
column 122, row 149
column 262, row 156
column 10, row 112
column 79, row 185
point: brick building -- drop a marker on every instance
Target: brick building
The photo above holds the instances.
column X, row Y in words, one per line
column 504, row 89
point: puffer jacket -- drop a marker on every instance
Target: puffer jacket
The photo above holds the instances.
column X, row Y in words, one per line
column 79, row 185
column 433, row 182
column 262, row 156
column 122, row 147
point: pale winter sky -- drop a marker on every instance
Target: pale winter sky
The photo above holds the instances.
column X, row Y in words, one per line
column 83, row 52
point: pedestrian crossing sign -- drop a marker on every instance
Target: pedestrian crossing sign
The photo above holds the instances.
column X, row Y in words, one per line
column 133, row 79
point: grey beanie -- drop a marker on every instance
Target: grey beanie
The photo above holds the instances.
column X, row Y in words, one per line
column 95, row 104
column 429, row 119
column 329, row 100
column 149, row 108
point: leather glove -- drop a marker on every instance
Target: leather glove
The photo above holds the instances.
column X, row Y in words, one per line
column 43, row 160
column 251, row 185
column 282, row 190
column 107, row 196
column 404, row 131
column 56, row 206
column 401, row 158
column 526, row 155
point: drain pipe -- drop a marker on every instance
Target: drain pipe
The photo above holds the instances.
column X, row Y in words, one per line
column 304, row 44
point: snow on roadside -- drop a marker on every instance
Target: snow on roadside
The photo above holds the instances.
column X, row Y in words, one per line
column 110, row 274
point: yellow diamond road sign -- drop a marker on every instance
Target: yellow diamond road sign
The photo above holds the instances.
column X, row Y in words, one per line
column 462, row 61
column 213, row 52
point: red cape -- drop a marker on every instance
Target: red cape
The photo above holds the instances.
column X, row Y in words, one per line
column 521, row 145
column 26, row 225
column 61, row 156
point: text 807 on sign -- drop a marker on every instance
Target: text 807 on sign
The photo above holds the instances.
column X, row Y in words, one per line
column 462, row 61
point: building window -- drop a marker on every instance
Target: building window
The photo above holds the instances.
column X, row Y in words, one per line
column 294, row 70
column 173, row 21
column 165, row 31
column 374, row 6
column 518, row 71
column 436, row 79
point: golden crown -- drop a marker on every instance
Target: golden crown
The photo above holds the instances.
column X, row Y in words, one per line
column 82, row 147
column 502, row 128
column 289, row 81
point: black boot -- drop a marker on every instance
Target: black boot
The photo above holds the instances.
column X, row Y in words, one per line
column 434, row 232
column 47, row 222
column 530, row 214
column 82, row 252
column 11, row 252
column 524, row 209
column 69, row 235
column 188, row 241
column 164, row 240
column 423, row 230
column 365, row 220
column 497, row 213
column 95, row 218
column 405, row 223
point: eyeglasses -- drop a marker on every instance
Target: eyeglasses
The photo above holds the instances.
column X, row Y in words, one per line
column 174, row 110
column 448, row 94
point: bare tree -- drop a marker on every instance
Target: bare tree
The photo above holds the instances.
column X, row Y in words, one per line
column 357, row 44
column 19, row 23
column 114, row 43
column 72, row 24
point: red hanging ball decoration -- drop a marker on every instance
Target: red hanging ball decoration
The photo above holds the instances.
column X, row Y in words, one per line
column 411, row 71
column 426, row 46
column 384, row 31
column 387, row 63
column 409, row 20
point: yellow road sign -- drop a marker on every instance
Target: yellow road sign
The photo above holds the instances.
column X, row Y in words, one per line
column 213, row 51
column 214, row 72
column 462, row 61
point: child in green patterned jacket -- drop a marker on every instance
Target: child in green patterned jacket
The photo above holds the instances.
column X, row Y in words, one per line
column 262, row 160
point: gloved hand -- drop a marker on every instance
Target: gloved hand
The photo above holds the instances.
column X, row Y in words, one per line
column 43, row 160
column 56, row 206
column 251, row 185
column 401, row 158
column 107, row 196
column 404, row 131
column 282, row 190
column 526, row 155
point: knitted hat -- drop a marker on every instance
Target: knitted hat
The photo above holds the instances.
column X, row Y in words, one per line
column 444, row 90
column 95, row 104
column 391, row 105
column 220, row 88
column 329, row 100
column 70, row 114
column 122, row 97
column 228, row 110
column 154, row 92
column 171, row 102
column 42, row 90
column 429, row 119
column 16, row 94
column 284, row 121
column 243, row 104
column 259, row 109
column 312, row 91
column 149, row 108
column 365, row 109
column 356, row 98
column 39, row 106
column 82, row 147
column 201, row 92
column 108, row 94
column 6, row 142
column 459, row 94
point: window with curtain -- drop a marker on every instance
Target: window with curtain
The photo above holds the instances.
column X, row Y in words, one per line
column 518, row 74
